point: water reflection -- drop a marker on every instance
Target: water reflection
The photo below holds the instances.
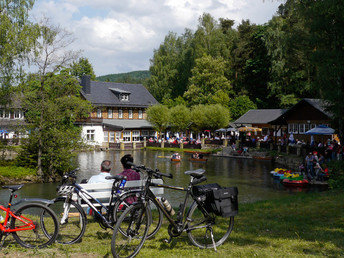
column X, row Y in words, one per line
column 252, row 177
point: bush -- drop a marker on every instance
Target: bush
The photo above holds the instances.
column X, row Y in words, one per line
column 336, row 169
column 16, row 172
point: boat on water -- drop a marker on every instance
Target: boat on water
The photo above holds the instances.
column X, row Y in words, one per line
column 175, row 157
column 295, row 183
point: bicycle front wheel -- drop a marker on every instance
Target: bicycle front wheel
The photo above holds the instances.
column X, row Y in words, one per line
column 72, row 220
column 127, row 199
column 203, row 230
column 135, row 223
column 33, row 218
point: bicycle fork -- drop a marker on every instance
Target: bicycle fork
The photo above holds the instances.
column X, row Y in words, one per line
column 66, row 209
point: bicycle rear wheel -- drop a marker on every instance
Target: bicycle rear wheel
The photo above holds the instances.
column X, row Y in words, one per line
column 33, row 218
column 135, row 223
column 127, row 200
column 73, row 225
column 200, row 228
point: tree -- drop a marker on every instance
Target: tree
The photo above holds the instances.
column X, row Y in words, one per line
column 208, row 82
column 17, row 36
column 180, row 118
column 82, row 67
column 49, row 56
column 158, row 116
column 291, row 72
column 240, row 105
column 324, row 21
column 209, row 117
column 51, row 111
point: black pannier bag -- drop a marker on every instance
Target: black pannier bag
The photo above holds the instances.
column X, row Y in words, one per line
column 207, row 191
column 221, row 201
column 225, row 201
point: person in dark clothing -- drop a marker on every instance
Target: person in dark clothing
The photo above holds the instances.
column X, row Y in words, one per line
column 129, row 173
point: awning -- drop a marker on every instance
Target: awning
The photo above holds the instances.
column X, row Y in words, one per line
column 122, row 124
column 320, row 130
column 249, row 129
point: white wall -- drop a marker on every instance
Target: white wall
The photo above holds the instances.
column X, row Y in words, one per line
column 98, row 136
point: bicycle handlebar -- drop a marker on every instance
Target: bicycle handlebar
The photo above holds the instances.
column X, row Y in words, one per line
column 156, row 173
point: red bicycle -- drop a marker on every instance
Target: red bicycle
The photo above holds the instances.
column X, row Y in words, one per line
column 33, row 225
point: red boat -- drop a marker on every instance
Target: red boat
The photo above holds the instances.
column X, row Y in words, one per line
column 297, row 183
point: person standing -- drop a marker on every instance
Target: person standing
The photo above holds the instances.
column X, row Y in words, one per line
column 309, row 160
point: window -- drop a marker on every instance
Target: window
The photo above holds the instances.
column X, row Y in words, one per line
column 130, row 114
column 145, row 133
column 293, row 128
column 140, row 114
column 106, row 136
column 136, row 136
column 124, row 97
column 120, row 113
column 307, row 127
column 313, row 125
column 301, row 128
column 6, row 114
column 17, row 114
column 99, row 113
column 110, row 113
column 90, row 135
column 126, row 136
column 112, row 137
column 118, row 136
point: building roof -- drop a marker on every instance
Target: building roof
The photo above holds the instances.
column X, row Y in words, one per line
column 318, row 104
column 123, row 124
column 108, row 94
column 259, row 116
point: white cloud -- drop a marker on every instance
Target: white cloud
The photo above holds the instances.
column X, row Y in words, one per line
column 119, row 36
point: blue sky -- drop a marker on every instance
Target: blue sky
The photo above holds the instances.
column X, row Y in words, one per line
column 120, row 35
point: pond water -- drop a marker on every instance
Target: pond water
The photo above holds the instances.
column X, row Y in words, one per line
column 252, row 177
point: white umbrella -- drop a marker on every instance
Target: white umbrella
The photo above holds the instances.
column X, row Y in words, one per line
column 321, row 130
column 191, row 135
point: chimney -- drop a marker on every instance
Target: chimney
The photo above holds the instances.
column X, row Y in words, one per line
column 86, row 84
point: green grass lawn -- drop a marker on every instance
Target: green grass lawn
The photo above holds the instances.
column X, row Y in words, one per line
column 296, row 226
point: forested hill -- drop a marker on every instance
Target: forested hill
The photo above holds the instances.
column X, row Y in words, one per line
column 131, row 77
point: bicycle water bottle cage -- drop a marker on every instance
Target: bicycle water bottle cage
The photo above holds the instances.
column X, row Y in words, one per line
column 198, row 173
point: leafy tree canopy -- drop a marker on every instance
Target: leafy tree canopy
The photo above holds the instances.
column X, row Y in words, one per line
column 82, row 67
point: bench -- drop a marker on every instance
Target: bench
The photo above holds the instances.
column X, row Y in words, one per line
column 102, row 191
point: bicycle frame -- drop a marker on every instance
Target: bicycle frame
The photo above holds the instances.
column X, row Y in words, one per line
column 29, row 225
column 149, row 193
column 86, row 197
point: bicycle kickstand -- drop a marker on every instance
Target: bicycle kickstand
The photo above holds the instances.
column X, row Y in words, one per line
column 168, row 241
column 212, row 238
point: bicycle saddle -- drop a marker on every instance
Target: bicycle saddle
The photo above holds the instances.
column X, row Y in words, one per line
column 13, row 188
column 198, row 173
column 116, row 177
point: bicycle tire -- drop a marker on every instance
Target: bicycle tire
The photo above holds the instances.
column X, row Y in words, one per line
column 198, row 228
column 135, row 221
column 43, row 217
column 156, row 215
column 74, row 228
